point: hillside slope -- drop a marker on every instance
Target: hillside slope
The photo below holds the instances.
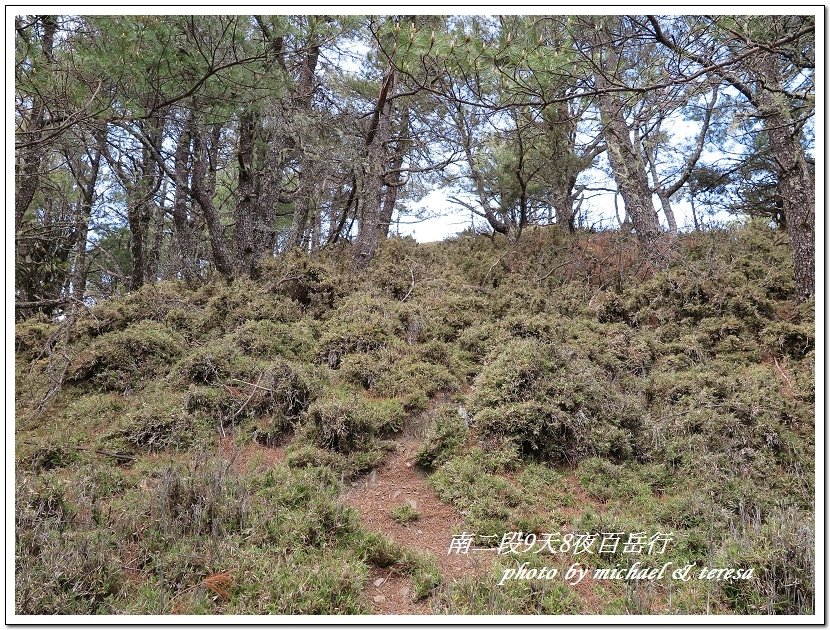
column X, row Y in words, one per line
column 192, row 450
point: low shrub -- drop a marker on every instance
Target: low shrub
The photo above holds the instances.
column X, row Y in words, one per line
column 360, row 324
column 67, row 572
column 553, row 403
column 781, row 553
column 215, row 362
column 265, row 339
column 604, row 480
column 445, row 439
column 339, row 424
column 207, row 498
column 405, row 514
column 486, row 499
column 312, row 282
column 32, row 335
column 118, row 360
column 157, row 422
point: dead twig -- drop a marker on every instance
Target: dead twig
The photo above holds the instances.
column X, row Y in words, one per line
column 408, row 293
column 245, row 404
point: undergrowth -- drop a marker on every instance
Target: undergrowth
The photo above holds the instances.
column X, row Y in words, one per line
column 569, row 389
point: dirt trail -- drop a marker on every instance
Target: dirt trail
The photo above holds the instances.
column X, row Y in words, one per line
column 396, row 482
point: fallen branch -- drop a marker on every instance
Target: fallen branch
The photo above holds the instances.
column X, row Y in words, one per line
column 408, row 293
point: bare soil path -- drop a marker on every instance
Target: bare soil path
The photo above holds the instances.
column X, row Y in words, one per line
column 399, row 481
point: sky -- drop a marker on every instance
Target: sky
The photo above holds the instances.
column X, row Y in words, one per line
column 446, row 219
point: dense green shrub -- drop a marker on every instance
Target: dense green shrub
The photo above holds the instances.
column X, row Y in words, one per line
column 360, row 324
column 213, row 363
column 117, row 360
column 152, row 302
column 553, row 403
column 156, row 423
column 473, row 484
column 266, row 339
column 339, row 424
column 445, row 439
column 31, row 336
column 601, row 395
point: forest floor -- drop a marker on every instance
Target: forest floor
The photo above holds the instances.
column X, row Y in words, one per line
column 399, row 481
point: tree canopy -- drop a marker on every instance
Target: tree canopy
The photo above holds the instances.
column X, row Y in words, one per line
column 156, row 147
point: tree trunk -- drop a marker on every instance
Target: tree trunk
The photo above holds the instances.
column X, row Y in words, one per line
column 302, row 205
column 154, row 255
column 316, row 231
column 665, row 203
column 630, row 175
column 663, row 195
column 795, row 184
column 28, row 162
column 202, row 186
column 265, row 213
column 27, row 170
column 465, row 132
column 136, row 211
column 624, row 155
column 560, row 127
column 562, row 197
column 371, row 198
column 79, row 272
column 336, row 226
column 302, row 101
column 694, row 213
column 183, row 232
column 244, row 248
column 390, row 196
column 797, row 189
column 140, row 194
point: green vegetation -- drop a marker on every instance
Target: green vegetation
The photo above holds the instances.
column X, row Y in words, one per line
column 405, row 514
column 680, row 401
column 444, row 441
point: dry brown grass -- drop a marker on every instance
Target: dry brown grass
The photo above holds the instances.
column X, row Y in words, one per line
column 219, row 583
